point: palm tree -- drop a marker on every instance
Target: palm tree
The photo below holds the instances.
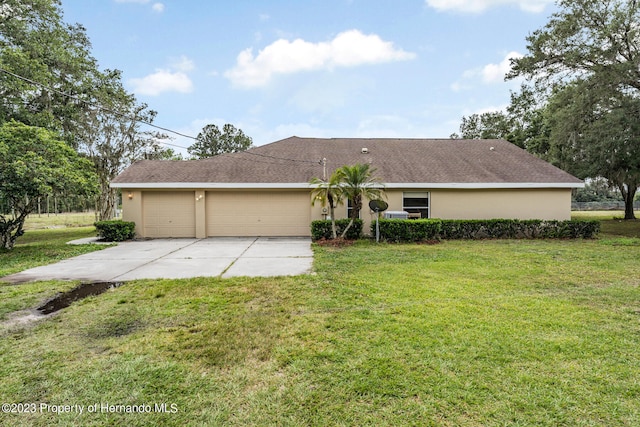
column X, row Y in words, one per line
column 358, row 182
column 328, row 193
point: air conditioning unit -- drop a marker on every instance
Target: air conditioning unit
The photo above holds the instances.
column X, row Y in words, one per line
column 396, row 215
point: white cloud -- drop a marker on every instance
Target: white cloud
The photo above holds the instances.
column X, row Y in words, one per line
column 489, row 74
column 162, row 81
column 492, row 73
column 174, row 79
column 477, row 6
column 347, row 49
column 158, row 7
column 183, row 64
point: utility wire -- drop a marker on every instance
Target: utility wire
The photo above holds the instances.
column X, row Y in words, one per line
column 95, row 105
column 136, row 119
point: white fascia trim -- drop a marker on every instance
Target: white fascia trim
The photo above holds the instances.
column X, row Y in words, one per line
column 212, row 185
column 306, row 185
column 484, row 185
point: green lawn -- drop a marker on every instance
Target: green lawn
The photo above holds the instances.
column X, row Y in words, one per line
column 481, row 333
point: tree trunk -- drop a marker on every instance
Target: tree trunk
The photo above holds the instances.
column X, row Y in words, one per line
column 10, row 230
column 106, row 202
column 355, row 213
column 334, row 232
column 628, row 193
column 344, row 233
column 628, row 207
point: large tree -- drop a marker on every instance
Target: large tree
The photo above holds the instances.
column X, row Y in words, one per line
column 211, row 141
column 588, row 55
column 523, row 124
column 490, row 125
column 111, row 136
column 43, row 61
column 34, row 163
column 48, row 78
column 596, row 133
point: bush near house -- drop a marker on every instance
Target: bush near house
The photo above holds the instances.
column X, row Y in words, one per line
column 396, row 230
column 116, row 230
column 321, row 229
column 409, row 230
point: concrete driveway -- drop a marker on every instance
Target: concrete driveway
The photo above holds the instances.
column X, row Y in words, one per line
column 181, row 258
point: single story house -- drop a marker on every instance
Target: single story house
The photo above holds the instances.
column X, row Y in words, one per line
column 265, row 191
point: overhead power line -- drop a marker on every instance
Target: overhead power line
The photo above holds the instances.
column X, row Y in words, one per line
column 95, row 105
column 136, row 119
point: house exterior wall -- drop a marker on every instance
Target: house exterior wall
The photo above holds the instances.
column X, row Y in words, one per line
column 443, row 203
column 545, row 204
column 548, row 204
column 132, row 208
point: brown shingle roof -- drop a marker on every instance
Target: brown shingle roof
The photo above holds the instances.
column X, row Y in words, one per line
column 412, row 161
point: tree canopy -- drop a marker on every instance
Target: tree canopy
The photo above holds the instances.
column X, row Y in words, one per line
column 491, row 125
column 211, row 141
column 358, row 182
column 34, row 163
column 585, row 38
column 585, row 61
column 580, row 107
column 111, row 137
column 49, row 79
column 348, row 182
column 51, row 58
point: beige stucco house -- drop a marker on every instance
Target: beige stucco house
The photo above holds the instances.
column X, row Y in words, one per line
column 265, row 191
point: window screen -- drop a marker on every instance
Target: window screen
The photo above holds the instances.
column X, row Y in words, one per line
column 416, row 203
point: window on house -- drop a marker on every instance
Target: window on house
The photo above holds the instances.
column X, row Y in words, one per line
column 417, row 204
column 350, row 208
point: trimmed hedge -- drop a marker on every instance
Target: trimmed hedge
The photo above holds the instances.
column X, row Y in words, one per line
column 396, row 230
column 518, row 229
column 321, row 229
column 410, row 230
column 116, row 230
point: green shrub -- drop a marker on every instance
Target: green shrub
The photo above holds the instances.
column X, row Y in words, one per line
column 412, row 230
column 116, row 230
column 321, row 229
column 416, row 230
column 518, row 229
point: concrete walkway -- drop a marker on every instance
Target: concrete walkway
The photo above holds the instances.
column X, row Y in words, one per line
column 181, row 258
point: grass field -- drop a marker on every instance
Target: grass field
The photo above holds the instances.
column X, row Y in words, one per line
column 481, row 333
column 49, row 221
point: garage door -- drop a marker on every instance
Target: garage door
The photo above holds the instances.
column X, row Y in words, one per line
column 254, row 213
column 169, row 214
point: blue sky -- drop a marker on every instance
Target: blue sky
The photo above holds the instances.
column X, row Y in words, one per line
column 330, row 68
